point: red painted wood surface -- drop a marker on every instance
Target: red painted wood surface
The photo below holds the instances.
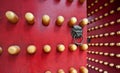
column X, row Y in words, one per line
column 108, row 39
column 23, row 34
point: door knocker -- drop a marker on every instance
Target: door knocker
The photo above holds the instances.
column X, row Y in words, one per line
column 76, row 33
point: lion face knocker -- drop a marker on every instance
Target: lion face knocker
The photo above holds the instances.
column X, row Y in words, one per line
column 76, row 33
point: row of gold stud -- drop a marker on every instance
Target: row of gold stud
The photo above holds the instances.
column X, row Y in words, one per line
column 31, row 49
column 104, row 15
column 30, row 18
column 103, row 25
column 100, row 7
column 92, row 4
column 82, row 69
column 97, row 69
column 104, row 63
column 104, row 44
column 104, row 35
column 104, row 53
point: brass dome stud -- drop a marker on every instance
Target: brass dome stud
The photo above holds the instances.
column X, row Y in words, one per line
column 60, row 47
column 105, row 71
column 96, row 68
column 117, row 66
column 13, row 50
column 118, row 32
column 84, row 47
column 60, row 20
column 72, row 70
column 45, row 20
column 83, row 69
column 117, row 44
column 72, row 21
column 1, row 50
column 105, row 63
column 60, row 71
column 118, row 55
column 29, row 18
column 84, row 22
column 72, row 47
column 111, row 54
column 100, row 70
column 11, row 17
column 31, row 49
column 47, row 48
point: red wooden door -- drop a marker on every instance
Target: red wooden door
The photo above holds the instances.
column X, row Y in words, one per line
column 104, row 32
column 23, row 34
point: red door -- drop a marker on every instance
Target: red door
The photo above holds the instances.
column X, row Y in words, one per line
column 104, row 32
column 21, row 35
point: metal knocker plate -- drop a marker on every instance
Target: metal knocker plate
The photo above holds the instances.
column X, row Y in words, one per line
column 76, row 33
